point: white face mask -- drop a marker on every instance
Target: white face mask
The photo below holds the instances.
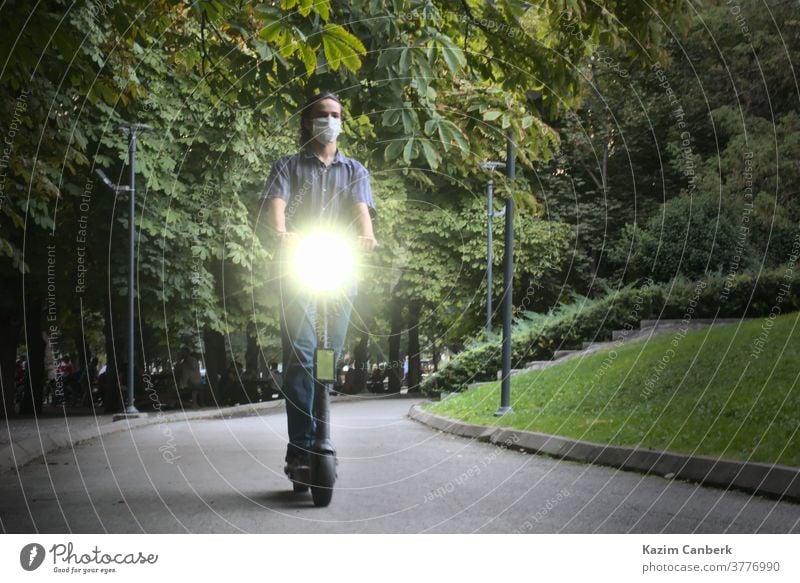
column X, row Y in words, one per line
column 326, row 129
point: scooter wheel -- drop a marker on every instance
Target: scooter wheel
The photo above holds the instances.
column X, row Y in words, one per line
column 299, row 488
column 324, row 477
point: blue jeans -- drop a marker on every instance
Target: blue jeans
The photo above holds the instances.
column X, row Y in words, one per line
column 299, row 341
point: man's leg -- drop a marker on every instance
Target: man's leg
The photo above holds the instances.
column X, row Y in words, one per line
column 299, row 340
column 339, row 310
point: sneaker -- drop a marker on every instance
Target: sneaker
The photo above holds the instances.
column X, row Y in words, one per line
column 297, row 463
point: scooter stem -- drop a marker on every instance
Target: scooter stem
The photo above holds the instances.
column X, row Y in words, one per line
column 322, row 435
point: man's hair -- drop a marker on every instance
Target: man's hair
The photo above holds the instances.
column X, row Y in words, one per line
column 305, row 113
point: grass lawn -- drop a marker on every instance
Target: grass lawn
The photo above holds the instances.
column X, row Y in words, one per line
column 730, row 391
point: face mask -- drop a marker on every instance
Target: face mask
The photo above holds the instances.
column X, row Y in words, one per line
column 326, row 129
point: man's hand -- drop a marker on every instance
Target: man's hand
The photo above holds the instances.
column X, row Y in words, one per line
column 366, row 243
column 287, row 238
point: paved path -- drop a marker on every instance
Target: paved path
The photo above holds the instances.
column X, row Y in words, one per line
column 53, row 420
column 225, row 475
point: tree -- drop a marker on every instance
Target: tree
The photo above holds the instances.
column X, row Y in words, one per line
column 430, row 271
column 429, row 90
column 732, row 132
column 713, row 122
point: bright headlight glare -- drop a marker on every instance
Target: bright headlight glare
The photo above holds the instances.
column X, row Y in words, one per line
column 323, row 262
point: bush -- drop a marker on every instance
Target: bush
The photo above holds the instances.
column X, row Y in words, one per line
column 538, row 336
column 689, row 237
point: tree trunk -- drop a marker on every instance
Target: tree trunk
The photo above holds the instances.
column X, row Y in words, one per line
column 9, row 338
column 215, row 356
column 215, row 359
column 35, row 346
column 251, row 354
column 414, row 357
column 436, row 354
column 112, row 399
column 359, row 373
column 395, row 363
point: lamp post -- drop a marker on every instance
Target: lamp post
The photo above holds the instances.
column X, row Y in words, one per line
column 508, row 283
column 490, row 167
column 131, row 131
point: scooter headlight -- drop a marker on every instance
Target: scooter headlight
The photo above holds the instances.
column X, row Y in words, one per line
column 323, row 262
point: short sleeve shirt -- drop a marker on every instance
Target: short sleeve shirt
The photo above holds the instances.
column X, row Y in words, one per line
column 317, row 194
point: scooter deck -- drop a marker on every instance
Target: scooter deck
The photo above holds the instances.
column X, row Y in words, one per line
column 300, row 476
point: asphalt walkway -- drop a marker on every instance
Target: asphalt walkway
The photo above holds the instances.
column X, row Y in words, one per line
column 225, row 475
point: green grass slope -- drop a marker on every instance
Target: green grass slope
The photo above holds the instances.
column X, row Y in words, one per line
column 729, row 391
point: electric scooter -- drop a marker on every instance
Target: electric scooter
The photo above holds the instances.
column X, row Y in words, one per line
column 322, row 471
column 323, row 264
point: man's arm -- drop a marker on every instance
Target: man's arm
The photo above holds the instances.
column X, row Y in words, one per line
column 276, row 214
column 364, row 221
column 366, row 239
column 361, row 195
column 275, row 197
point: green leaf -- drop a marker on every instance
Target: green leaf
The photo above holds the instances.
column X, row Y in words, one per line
column 341, row 47
column 453, row 62
column 492, row 115
column 517, row 8
column 453, row 56
column 431, row 154
column 393, row 150
column 422, row 66
column 387, row 57
column 408, row 151
column 430, row 126
column 455, row 133
column 268, row 13
column 270, row 32
column 323, row 8
column 309, row 57
column 333, row 51
column 404, row 56
column 286, row 44
column 305, row 7
column 410, row 120
column 391, row 117
column 444, row 136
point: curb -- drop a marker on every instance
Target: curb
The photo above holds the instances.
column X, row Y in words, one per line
column 19, row 453
column 756, row 478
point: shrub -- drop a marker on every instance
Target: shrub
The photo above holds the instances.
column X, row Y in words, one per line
column 538, row 336
column 689, row 237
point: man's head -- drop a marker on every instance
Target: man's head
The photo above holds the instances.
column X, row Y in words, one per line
column 320, row 119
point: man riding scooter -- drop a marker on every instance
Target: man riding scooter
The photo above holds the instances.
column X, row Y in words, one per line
column 316, row 186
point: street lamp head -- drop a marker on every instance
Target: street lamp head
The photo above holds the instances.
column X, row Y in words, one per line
column 492, row 166
column 111, row 185
column 136, row 128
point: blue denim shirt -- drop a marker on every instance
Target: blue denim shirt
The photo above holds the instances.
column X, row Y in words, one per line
column 316, row 194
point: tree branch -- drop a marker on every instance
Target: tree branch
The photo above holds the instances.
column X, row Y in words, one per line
column 591, row 175
column 205, row 55
column 203, row 45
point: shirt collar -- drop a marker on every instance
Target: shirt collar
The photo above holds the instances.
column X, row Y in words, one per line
column 308, row 152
